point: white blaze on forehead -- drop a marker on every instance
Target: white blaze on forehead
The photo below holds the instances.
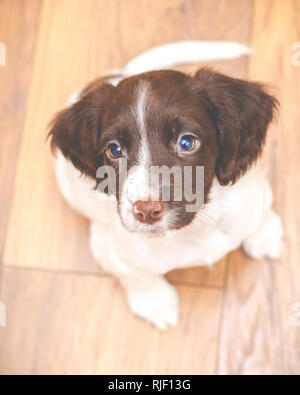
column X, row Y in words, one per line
column 139, row 110
column 137, row 184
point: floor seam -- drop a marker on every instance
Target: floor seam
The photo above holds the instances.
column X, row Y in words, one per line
column 103, row 275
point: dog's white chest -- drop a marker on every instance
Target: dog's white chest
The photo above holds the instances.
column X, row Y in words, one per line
column 160, row 255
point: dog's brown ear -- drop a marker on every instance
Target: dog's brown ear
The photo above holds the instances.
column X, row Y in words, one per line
column 76, row 130
column 241, row 112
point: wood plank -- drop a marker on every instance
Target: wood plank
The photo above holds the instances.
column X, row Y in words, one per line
column 43, row 231
column 259, row 334
column 206, row 276
column 251, row 339
column 18, row 28
column 70, row 324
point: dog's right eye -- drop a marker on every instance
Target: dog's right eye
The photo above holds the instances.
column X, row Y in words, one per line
column 114, row 151
column 187, row 144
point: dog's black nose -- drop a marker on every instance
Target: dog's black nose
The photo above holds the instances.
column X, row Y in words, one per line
column 148, row 212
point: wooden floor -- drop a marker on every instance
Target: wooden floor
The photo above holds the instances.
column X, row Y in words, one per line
column 63, row 314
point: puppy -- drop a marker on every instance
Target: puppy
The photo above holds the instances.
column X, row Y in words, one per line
column 120, row 128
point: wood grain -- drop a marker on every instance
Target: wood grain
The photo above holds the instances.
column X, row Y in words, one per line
column 63, row 314
column 258, row 335
column 18, row 19
column 56, row 318
column 70, row 324
column 76, row 44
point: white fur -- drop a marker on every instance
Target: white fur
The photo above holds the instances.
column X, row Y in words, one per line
column 158, row 304
column 266, row 242
column 185, row 52
column 137, row 184
column 139, row 112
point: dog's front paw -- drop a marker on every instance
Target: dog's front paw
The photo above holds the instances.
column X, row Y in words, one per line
column 158, row 305
column 268, row 241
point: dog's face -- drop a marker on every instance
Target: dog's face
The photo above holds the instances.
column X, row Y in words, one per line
column 169, row 121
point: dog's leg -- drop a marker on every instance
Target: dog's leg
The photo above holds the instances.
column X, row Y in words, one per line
column 152, row 298
column 266, row 242
column 149, row 295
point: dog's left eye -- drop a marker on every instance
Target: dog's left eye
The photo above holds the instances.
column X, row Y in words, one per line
column 114, row 151
column 187, row 143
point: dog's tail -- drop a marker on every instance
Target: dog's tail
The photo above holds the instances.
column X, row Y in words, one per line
column 184, row 52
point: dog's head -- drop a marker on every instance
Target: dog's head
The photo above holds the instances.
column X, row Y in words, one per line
column 165, row 120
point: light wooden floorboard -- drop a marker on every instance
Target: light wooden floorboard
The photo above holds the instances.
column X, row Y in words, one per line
column 79, row 324
column 18, row 27
column 62, row 316
column 258, row 333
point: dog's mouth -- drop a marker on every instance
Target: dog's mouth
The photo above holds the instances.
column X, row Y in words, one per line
column 148, row 230
column 172, row 220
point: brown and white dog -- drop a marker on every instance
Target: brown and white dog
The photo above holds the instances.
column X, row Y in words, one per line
column 165, row 118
